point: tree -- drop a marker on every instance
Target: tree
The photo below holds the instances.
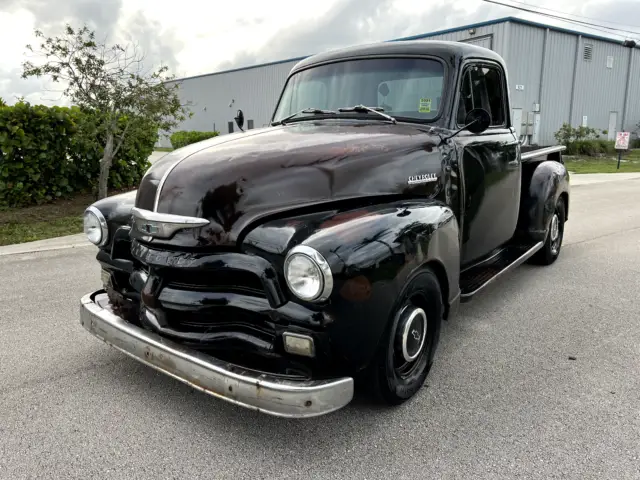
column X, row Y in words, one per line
column 2, row 103
column 110, row 80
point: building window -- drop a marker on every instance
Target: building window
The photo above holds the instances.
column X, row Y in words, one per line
column 588, row 52
column 482, row 87
column 230, row 126
column 249, row 124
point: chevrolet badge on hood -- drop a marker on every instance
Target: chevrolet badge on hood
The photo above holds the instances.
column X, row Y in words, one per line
column 424, row 178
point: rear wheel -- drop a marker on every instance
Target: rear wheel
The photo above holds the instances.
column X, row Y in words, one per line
column 406, row 352
column 553, row 243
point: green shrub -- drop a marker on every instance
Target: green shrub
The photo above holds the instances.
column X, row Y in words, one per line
column 584, row 141
column 52, row 152
column 182, row 138
column 34, row 153
column 591, row 148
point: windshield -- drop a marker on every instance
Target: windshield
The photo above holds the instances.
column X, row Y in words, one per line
column 410, row 89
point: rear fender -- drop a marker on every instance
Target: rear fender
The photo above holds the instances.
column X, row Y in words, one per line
column 548, row 181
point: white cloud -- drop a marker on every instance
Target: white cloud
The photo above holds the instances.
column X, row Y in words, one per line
column 195, row 36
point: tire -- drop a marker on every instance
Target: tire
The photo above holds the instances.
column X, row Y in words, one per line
column 553, row 243
column 392, row 383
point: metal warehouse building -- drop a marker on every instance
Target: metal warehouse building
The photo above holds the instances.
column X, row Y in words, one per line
column 555, row 76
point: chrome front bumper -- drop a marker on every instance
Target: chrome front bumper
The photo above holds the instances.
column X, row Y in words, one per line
column 255, row 390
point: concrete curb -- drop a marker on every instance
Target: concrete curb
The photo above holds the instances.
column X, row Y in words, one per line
column 79, row 240
column 579, row 179
column 69, row 241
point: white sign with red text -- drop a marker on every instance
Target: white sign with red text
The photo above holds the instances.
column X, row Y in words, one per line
column 622, row 141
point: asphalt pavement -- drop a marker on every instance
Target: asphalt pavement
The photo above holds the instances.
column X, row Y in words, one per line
column 536, row 378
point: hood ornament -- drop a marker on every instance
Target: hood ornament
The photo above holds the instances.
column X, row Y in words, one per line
column 424, row 178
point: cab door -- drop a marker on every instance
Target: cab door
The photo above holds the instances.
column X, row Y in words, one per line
column 490, row 164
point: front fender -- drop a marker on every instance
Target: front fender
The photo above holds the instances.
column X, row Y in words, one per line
column 549, row 181
column 372, row 252
column 117, row 212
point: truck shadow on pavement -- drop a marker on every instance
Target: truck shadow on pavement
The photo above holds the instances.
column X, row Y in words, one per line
column 361, row 418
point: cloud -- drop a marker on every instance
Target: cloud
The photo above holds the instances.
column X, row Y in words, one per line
column 613, row 14
column 160, row 45
column 50, row 16
column 212, row 38
column 106, row 18
column 352, row 22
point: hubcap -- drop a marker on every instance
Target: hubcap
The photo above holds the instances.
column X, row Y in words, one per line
column 555, row 234
column 413, row 333
column 554, row 228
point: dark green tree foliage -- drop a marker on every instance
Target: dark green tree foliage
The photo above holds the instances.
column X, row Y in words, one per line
column 52, row 152
column 113, row 82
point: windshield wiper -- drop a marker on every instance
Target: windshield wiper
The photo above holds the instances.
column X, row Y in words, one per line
column 363, row 108
column 315, row 111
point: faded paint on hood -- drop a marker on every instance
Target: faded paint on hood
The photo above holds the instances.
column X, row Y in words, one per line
column 234, row 179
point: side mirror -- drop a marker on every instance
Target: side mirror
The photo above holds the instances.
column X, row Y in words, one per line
column 477, row 120
column 239, row 118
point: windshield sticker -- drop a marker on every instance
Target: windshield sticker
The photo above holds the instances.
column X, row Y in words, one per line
column 425, row 105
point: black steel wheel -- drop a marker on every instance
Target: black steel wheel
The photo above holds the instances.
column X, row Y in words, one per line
column 553, row 243
column 405, row 355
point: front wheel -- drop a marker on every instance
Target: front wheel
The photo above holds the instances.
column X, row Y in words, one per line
column 406, row 352
column 553, row 243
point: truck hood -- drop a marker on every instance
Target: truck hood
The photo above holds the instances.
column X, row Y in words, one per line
column 235, row 179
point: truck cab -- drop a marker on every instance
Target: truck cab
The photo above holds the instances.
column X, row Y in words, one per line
column 276, row 268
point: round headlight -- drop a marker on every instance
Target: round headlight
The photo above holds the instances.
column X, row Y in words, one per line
column 308, row 274
column 95, row 226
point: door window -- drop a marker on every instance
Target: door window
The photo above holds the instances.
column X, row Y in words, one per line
column 482, row 87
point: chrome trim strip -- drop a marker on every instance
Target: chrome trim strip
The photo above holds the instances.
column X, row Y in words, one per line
column 274, row 395
column 519, row 261
column 163, row 225
column 542, row 151
column 482, row 262
column 168, row 218
column 321, row 263
column 103, row 225
column 161, row 184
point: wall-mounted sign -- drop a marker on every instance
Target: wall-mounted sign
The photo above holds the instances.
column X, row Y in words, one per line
column 609, row 61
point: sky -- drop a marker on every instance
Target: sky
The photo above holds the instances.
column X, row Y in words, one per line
column 193, row 37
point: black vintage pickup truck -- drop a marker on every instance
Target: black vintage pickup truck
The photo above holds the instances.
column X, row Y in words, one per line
column 276, row 268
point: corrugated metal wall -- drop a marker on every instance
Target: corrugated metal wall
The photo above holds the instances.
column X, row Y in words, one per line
column 581, row 77
column 632, row 120
column 599, row 90
column 216, row 98
column 557, row 83
column 525, row 66
column 541, row 64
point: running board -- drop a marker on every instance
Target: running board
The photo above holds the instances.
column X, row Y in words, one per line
column 478, row 277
